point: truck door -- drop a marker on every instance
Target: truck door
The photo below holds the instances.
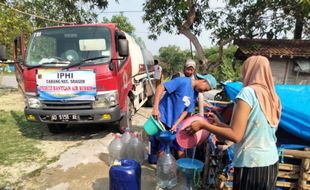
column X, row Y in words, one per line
column 123, row 74
column 19, row 57
column 123, row 80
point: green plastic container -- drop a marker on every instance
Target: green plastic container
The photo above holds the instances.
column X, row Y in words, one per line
column 152, row 127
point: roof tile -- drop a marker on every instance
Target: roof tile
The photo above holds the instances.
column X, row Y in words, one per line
column 269, row 48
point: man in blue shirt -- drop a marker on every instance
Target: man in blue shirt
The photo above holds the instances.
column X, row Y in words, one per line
column 178, row 101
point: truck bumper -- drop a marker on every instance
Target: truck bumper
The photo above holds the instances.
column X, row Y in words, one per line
column 101, row 115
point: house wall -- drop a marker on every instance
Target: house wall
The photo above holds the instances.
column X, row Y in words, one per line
column 283, row 72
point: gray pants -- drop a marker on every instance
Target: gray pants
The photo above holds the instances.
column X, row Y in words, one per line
column 258, row 178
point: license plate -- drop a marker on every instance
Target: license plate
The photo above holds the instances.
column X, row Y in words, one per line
column 64, row 117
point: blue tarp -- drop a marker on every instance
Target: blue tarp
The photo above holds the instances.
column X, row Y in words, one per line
column 295, row 99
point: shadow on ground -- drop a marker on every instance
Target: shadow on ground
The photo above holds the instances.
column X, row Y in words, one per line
column 71, row 133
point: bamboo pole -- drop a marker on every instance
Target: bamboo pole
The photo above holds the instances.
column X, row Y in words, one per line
column 220, row 102
column 297, row 153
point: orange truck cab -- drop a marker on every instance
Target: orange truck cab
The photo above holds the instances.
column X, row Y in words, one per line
column 78, row 74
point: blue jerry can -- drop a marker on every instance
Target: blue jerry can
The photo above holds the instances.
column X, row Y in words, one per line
column 126, row 176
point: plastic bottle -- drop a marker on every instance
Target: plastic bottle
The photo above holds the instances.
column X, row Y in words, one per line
column 126, row 136
column 136, row 149
column 115, row 149
column 141, row 151
column 126, row 146
column 166, row 167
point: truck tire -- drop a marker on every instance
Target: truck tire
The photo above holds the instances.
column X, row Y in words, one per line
column 56, row 128
column 150, row 101
column 126, row 120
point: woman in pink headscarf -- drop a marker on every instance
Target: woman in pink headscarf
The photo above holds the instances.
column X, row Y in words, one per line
column 254, row 123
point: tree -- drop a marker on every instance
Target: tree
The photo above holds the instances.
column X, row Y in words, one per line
column 263, row 19
column 23, row 16
column 180, row 17
column 11, row 25
column 271, row 19
column 240, row 18
column 121, row 22
column 172, row 59
column 73, row 11
column 229, row 69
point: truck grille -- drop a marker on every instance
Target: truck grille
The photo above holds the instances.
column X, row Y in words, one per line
column 61, row 105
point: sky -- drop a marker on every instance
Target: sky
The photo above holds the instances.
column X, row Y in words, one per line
column 165, row 39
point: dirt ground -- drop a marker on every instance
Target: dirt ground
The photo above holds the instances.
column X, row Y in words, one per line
column 79, row 156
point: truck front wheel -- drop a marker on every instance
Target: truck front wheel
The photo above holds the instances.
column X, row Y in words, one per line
column 56, row 128
column 126, row 120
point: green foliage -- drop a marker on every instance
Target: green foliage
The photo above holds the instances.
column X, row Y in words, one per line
column 13, row 22
column 121, row 22
column 239, row 19
column 167, row 16
column 229, row 69
column 11, row 25
column 73, row 11
column 172, row 59
column 260, row 19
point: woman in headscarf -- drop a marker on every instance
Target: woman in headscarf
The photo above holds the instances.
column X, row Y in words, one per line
column 254, row 122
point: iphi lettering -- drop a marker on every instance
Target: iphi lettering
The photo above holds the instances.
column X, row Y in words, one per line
column 65, row 75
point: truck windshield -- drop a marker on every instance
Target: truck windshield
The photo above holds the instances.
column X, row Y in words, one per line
column 69, row 45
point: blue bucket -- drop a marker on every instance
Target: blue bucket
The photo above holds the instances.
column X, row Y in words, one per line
column 12, row 68
column 190, row 166
column 152, row 127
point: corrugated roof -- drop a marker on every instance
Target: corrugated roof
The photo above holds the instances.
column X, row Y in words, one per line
column 271, row 48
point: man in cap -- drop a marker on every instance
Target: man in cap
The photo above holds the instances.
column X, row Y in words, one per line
column 179, row 101
column 209, row 78
column 188, row 70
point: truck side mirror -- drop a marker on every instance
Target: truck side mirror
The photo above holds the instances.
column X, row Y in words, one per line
column 3, row 53
column 19, row 49
column 123, row 49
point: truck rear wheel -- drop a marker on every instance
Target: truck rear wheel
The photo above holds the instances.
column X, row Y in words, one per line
column 56, row 128
column 126, row 120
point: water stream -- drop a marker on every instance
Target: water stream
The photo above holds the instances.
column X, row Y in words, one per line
column 194, row 153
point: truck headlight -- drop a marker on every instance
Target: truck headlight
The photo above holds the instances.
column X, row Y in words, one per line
column 106, row 99
column 32, row 102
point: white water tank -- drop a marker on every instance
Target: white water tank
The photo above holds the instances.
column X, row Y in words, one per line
column 139, row 56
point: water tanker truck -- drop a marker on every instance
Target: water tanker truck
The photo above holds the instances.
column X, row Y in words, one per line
column 78, row 74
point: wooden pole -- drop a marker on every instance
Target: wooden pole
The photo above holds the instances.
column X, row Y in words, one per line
column 304, row 172
column 297, row 153
column 207, row 147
